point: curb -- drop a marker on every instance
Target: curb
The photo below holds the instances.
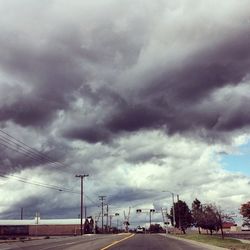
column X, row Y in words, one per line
column 20, row 239
column 201, row 244
column 242, row 240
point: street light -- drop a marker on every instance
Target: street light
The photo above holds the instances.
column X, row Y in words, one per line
column 179, row 215
column 174, row 219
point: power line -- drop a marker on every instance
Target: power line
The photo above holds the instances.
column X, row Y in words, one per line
column 26, row 180
column 12, row 143
column 9, row 146
column 15, row 146
column 45, row 185
column 23, row 152
column 40, row 184
column 27, row 150
column 93, row 202
column 27, row 146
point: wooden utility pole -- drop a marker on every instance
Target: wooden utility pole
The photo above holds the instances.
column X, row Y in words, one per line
column 107, row 221
column 21, row 213
column 82, row 176
column 101, row 198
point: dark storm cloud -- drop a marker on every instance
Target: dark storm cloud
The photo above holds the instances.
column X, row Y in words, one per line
column 53, row 65
column 129, row 118
column 59, row 70
column 14, row 160
column 29, row 111
column 90, row 134
column 33, row 204
column 134, row 117
column 16, row 156
column 206, row 71
column 180, row 91
column 130, row 195
column 48, row 73
column 170, row 99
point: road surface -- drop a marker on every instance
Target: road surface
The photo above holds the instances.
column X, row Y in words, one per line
column 86, row 242
column 105, row 242
column 156, row 242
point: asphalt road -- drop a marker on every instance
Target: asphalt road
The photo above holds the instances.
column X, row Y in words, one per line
column 106, row 242
column 86, row 242
column 155, row 242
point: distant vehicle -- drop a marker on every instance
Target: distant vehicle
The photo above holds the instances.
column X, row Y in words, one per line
column 140, row 230
column 245, row 228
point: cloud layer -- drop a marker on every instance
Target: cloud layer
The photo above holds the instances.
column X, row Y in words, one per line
column 139, row 95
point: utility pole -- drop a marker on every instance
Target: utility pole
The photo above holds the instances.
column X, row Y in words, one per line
column 107, row 222
column 110, row 221
column 179, row 213
column 174, row 219
column 102, row 198
column 21, row 213
column 150, row 218
column 82, row 176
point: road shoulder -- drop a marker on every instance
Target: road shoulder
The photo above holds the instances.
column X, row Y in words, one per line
column 196, row 243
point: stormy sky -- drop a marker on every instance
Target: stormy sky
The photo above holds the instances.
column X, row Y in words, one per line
column 143, row 96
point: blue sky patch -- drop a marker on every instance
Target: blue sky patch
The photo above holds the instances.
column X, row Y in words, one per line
column 238, row 162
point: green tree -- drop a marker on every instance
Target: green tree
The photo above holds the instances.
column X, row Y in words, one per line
column 245, row 212
column 212, row 219
column 209, row 219
column 183, row 216
column 197, row 214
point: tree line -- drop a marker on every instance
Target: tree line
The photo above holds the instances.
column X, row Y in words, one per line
column 204, row 216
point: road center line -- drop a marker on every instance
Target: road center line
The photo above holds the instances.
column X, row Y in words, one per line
column 116, row 242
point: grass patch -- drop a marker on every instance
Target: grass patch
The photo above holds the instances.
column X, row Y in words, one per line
column 215, row 240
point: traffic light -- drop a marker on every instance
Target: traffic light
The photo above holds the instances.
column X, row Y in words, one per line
column 152, row 210
column 117, row 214
column 138, row 210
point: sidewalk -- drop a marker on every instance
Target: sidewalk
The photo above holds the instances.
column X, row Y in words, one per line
column 196, row 243
column 28, row 238
column 15, row 239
